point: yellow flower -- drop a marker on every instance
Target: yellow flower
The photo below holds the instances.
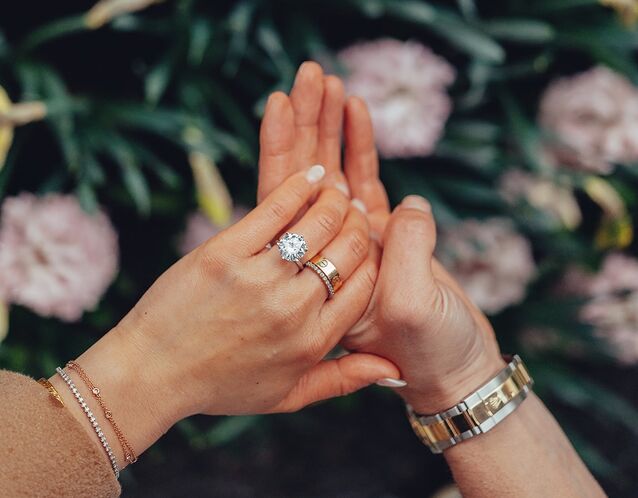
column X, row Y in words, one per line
column 616, row 228
column 212, row 194
column 4, row 320
column 627, row 10
column 6, row 130
column 106, row 10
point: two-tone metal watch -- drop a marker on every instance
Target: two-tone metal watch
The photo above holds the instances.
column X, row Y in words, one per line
column 477, row 413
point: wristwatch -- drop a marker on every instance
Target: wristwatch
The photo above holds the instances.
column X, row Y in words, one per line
column 477, row 413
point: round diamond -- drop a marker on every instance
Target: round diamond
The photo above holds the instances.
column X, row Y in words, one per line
column 292, row 247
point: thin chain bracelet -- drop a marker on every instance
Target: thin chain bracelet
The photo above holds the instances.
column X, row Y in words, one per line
column 129, row 454
column 91, row 417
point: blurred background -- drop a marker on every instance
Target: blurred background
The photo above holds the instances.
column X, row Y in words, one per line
column 129, row 134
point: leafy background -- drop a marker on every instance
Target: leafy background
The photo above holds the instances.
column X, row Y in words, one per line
column 128, row 102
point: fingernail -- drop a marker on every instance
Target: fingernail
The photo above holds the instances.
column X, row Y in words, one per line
column 359, row 205
column 388, row 382
column 343, row 188
column 316, row 173
column 417, row 202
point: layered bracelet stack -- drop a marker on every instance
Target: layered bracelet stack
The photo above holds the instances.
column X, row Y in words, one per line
column 129, row 454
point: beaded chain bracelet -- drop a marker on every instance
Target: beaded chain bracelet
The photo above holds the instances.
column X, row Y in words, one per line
column 91, row 417
column 129, row 454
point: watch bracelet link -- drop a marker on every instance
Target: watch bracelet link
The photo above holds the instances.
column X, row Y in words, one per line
column 477, row 413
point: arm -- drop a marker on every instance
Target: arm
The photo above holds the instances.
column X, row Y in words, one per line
column 446, row 349
column 229, row 329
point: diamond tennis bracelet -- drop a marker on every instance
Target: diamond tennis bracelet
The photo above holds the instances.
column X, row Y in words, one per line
column 92, row 420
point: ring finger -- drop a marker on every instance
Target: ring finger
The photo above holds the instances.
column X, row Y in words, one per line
column 346, row 252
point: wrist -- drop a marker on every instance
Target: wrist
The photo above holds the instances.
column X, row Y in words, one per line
column 449, row 389
column 130, row 386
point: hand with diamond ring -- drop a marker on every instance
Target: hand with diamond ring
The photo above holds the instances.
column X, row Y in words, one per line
column 233, row 328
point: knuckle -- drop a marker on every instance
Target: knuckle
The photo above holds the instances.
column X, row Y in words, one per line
column 213, row 263
column 358, row 243
column 329, row 219
column 278, row 210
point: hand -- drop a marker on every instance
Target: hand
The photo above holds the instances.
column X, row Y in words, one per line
column 231, row 328
column 418, row 316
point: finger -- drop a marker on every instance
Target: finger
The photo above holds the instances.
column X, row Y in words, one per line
column 339, row 377
column 347, row 251
column 362, row 163
column 408, row 246
column 321, row 223
column 340, row 314
column 263, row 223
column 306, row 97
column 276, row 145
column 330, row 124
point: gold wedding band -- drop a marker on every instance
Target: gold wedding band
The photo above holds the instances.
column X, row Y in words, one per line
column 327, row 272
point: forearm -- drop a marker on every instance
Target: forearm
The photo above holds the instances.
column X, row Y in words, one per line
column 526, row 455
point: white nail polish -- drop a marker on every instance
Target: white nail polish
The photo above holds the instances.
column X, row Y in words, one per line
column 316, row 173
column 388, row 382
column 359, row 205
column 343, row 188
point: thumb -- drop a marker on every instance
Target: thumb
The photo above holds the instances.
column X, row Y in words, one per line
column 408, row 245
column 332, row 378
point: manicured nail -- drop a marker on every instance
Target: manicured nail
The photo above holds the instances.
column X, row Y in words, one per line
column 343, row 188
column 316, row 173
column 417, row 202
column 359, row 205
column 388, row 382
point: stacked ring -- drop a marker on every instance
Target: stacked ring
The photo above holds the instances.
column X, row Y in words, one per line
column 328, row 273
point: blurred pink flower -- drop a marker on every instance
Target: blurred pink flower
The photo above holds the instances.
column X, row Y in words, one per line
column 404, row 86
column 612, row 305
column 594, row 116
column 554, row 200
column 492, row 262
column 55, row 258
column 199, row 229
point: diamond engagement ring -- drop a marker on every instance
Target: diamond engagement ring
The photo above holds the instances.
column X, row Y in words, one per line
column 292, row 247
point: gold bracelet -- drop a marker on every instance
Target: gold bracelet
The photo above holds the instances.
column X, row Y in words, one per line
column 477, row 413
column 129, row 454
column 52, row 390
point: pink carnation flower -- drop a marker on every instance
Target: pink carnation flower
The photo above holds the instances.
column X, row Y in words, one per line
column 612, row 305
column 492, row 262
column 594, row 116
column 199, row 229
column 55, row 258
column 404, row 86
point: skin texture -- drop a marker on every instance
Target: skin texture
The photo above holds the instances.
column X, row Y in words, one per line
column 233, row 329
column 418, row 316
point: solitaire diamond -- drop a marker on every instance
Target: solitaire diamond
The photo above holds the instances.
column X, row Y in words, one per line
column 292, row 247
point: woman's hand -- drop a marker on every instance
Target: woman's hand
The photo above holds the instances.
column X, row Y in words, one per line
column 418, row 316
column 232, row 328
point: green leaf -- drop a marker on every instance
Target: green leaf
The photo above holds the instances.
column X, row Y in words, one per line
column 136, row 185
column 520, row 30
column 467, row 37
column 87, row 198
column 238, row 23
column 157, row 80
